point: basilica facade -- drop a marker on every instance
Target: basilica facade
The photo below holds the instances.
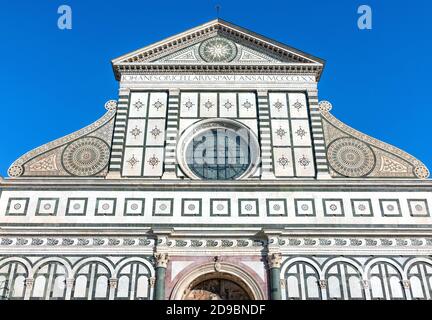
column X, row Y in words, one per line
column 217, row 173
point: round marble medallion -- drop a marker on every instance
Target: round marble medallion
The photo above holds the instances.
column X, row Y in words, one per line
column 218, row 49
column 350, row 157
column 86, row 156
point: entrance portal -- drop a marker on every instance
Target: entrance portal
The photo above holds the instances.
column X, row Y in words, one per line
column 218, row 287
column 223, row 281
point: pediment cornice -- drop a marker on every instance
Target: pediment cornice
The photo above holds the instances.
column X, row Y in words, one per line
column 288, row 59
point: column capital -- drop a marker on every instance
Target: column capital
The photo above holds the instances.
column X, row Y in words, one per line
column 113, row 283
column 161, row 259
column 322, row 283
column 406, row 284
column 274, row 260
column 365, row 284
column 29, row 283
column 70, row 282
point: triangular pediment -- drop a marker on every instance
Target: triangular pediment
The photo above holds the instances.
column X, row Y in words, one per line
column 218, row 43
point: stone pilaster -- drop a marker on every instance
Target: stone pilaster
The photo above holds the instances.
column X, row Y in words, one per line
column 172, row 134
column 322, row 283
column 119, row 135
column 265, row 135
column 318, row 136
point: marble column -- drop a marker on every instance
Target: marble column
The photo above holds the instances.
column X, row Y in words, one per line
column 161, row 265
column 274, row 261
column 28, row 284
column 113, row 282
column 69, row 286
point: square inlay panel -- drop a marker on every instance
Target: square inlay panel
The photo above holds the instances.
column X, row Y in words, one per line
column 333, row 207
column 17, row 206
column 163, row 207
column 105, row 206
column 276, row 207
column 248, row 207
column 220, row 207
column 418, row 208
column 390, row 208
column 134, row 207
column 361, row 207
column 304, row 207
column 76, row 207
column 47, row 206
column 191, row 207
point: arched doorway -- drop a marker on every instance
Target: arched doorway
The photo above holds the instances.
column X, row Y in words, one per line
column 217, row 287
column 226, row 282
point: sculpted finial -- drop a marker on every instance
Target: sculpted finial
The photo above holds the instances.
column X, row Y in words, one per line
column 324, row 106
column 111, row 105
column 421, row 172
column 15, row 171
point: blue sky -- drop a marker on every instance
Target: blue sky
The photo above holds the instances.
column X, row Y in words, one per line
column 56, row 81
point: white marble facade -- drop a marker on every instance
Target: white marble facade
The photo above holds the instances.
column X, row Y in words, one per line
column 340, row 214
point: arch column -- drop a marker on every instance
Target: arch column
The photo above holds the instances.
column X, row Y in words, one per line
column 406, row 285
column 28, row 284
column 69, row 285
column 161, row 265
column 112, row 287
column 274, row 260
column 323, row 287
column 366, row 288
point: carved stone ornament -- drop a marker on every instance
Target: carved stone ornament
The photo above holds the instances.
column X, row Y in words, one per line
column 274, row 260
column 323, row 284
column 406, row 284
column 29, row 283
column 351, row 153
column 47, row 160
column 15, row 171
column 113, row 283
column 218, row 49
column 217, row 265
column 70, row 282
column 111, row 105
column 161, row 260
column 421, row 172
column 324, row 106
column 350, row 157
column 86, row 156
column 152, row 282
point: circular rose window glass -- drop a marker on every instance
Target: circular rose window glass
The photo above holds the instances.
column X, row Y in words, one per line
column 219, row 150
